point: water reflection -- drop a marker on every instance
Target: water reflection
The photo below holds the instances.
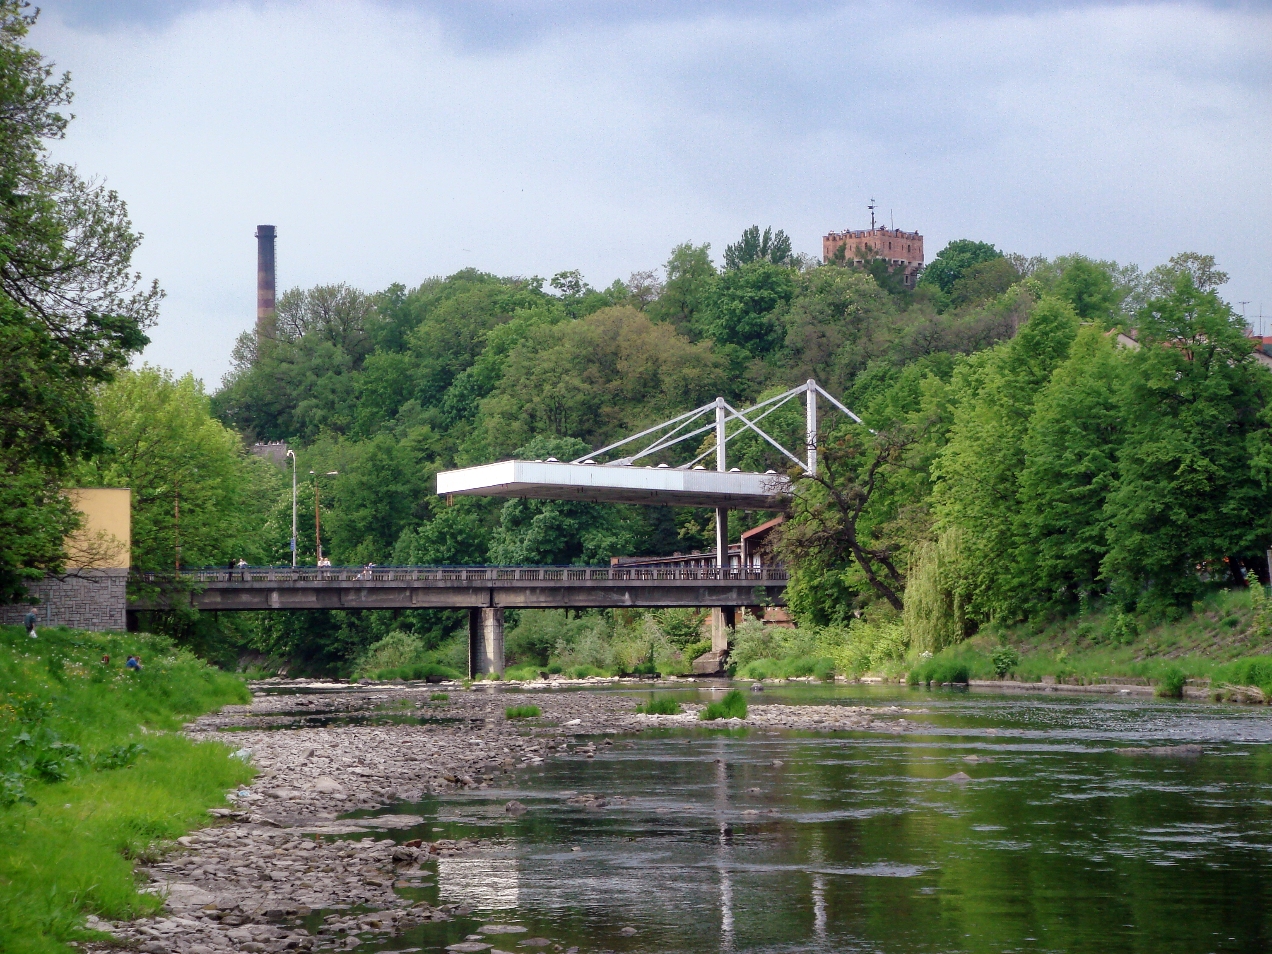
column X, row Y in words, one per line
column 484, row 881
column 777, row 841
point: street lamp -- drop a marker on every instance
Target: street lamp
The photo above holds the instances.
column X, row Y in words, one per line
column 317, row 517
column 292, row 455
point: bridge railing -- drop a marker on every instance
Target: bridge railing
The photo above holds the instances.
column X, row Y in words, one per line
column 483, row 575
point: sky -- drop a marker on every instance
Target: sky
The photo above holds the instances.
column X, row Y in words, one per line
column 391, row 141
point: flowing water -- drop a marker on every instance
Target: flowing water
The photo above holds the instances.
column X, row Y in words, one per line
column 763, row 841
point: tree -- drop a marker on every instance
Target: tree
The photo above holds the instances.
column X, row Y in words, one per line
column 753, row 247
column 1070, row 468
column 830, row 511
column 838, row 321
column 193, row 485
column 977, row 474
column 72, row 312
column 983, row 281
column 1090, row 289
column 559, row 532
column 1186, row 495
column 595, row 378
column 741, row 308
column 690, row 277
column 337, row 313
column 953, row 261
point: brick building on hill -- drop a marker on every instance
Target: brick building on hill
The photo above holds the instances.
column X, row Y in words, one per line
column 900, row 249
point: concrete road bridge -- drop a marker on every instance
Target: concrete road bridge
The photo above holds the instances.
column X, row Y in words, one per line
column 485, row 591
column 638, row 469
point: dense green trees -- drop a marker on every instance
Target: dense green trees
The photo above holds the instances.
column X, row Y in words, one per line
column 72, row 312
column 194, row 486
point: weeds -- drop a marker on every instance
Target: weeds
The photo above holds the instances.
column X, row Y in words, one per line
column 1172, row 682
column 938, row 672
column 81, row 798
column 660, row 705
column 732, row 706
column 439, row 697
column 522, row 712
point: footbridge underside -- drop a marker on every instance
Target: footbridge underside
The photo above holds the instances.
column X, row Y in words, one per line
column 379, row 588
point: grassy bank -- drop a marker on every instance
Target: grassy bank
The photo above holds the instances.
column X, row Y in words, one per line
column 93, row 776
column 1220, row 640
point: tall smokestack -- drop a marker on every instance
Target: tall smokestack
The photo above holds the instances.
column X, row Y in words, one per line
column 265, row 324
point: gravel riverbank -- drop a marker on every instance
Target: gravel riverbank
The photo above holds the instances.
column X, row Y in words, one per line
column 281, row 850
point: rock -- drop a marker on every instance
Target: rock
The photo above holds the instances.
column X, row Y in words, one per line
column 326, row 785
column 1175, row 751
column 535, row 942
column 629, row 931
column 776, row 763
column 958, row 777
column 468, row 947
column 501, row 929
column 515, row 807
column 755, row 686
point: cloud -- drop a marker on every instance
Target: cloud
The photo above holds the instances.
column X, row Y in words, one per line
column 394, row 141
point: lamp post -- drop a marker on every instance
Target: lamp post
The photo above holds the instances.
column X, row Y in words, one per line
column 292, row 455
column 317, row 517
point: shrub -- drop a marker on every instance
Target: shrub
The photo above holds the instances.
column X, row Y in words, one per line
column 1254, row 671
column 732, row 706
column 418, row 671
column 1171, row 685
column 660, row 705
column 522, row 712
column 394, row 651
column 694, row 650
column 682, row 627
column 1004, row 660
column 938, row 672
column 1123, row 629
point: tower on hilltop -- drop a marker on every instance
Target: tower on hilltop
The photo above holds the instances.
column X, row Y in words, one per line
column 899, row 249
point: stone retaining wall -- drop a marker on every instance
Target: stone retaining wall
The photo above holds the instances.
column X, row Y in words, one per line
column 83, row 599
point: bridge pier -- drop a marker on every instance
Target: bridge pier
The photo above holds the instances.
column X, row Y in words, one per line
column 485, row 641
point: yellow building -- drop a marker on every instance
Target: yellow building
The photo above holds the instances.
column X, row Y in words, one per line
column 92, row 592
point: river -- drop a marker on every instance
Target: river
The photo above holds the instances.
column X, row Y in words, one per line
column 755, row 840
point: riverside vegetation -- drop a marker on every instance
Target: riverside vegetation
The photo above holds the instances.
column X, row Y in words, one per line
column 1067, row 444
column 94, row 775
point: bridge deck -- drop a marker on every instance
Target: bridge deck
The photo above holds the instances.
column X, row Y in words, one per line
column 512, row 587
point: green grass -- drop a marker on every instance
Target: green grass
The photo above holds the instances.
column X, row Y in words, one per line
column 660, row 705
column 88, row 792
column 416, row 672
column 732, row 706
column 522, row 712
column 1220, row 640
column 938, row 671
column 438, row 696
column 822, row 668
column 523, row 672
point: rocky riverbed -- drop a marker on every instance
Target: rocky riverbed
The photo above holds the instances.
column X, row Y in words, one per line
column 282, row 847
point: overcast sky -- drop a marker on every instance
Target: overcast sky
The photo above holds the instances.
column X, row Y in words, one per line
column 392, row 141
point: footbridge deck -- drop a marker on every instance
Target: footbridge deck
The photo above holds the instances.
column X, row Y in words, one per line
column 433, row 587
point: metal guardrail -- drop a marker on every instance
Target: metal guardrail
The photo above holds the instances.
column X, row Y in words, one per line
column 485, row 575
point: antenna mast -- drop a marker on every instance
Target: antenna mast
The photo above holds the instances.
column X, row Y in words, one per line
column 871, row 207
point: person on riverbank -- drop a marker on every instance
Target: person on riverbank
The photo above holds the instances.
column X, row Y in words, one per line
column 29, row 622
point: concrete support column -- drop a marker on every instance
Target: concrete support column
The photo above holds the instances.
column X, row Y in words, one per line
column 723, row 619
column 485, row 641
